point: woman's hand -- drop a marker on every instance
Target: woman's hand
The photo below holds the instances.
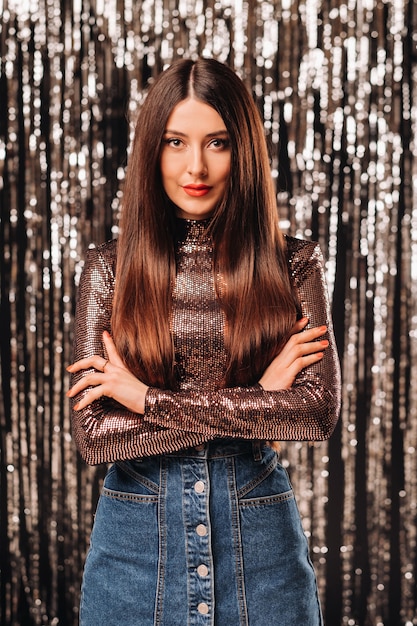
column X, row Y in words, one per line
column 302, row 349
column 112, row 379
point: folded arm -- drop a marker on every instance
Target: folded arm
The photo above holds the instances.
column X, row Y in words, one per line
column 104, row 430
column 108, row 425
column 308, row 410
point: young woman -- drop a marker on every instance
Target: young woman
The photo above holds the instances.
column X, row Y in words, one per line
column 202, row 336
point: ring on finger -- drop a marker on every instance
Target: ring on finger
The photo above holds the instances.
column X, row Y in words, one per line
column 104, row 366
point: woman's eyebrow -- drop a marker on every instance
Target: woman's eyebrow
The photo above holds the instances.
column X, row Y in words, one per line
column 181, row 134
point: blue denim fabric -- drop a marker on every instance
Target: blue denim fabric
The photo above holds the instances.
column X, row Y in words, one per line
column 208, row 537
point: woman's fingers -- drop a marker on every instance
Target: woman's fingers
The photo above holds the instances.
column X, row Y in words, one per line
column 301, row 350
column 98, row 378
column 308, row 335
column 302, row 344
column 108, row 377
column 95, row 393
column 114, row 357
column 90, row 380
column 299, row 325
column 96, row 362
column 117, row 383
column 304, row 360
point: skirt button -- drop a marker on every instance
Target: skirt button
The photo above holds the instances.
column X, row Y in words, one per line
column 203, row 608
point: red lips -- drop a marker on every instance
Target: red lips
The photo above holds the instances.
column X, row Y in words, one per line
column 196, row 190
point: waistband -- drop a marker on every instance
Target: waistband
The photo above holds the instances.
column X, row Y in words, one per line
column 223, row 448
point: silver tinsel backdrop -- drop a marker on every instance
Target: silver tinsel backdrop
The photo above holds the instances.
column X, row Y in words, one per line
column 336, row 83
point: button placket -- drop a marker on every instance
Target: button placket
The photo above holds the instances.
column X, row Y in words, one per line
column 198, row 534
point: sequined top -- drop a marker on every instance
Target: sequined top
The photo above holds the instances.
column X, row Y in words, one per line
column 200, row 411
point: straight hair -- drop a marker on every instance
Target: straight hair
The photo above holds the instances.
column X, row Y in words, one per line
column 249, row 251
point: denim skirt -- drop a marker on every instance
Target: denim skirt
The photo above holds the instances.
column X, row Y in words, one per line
column 209, row 536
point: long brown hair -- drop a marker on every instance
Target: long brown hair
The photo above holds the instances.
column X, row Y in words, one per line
column 248, row 248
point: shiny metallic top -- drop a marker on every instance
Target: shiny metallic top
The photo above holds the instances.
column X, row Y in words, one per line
column 200, row 411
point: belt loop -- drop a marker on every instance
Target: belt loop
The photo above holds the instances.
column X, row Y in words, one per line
column 256, row 450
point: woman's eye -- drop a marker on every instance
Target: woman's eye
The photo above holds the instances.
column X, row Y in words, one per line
column 175, row 143
column 220, row 143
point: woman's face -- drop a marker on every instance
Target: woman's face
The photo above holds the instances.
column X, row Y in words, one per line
column 195, row 159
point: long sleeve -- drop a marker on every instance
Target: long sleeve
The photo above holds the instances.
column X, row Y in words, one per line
column 307, row 411
column 105, row 431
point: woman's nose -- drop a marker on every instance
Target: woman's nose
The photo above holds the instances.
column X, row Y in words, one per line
column 196, row 164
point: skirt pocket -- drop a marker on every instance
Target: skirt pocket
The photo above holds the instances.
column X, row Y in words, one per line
column 133, row 480
column 261, row 481
column 121, row 570
column 280, row 582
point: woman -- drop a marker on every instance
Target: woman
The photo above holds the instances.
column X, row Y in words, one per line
column 189, row 359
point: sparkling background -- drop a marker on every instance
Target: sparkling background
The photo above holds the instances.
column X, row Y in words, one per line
column 337, row 86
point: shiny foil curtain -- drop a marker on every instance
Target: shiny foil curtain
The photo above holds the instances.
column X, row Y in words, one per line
column 336, row 83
